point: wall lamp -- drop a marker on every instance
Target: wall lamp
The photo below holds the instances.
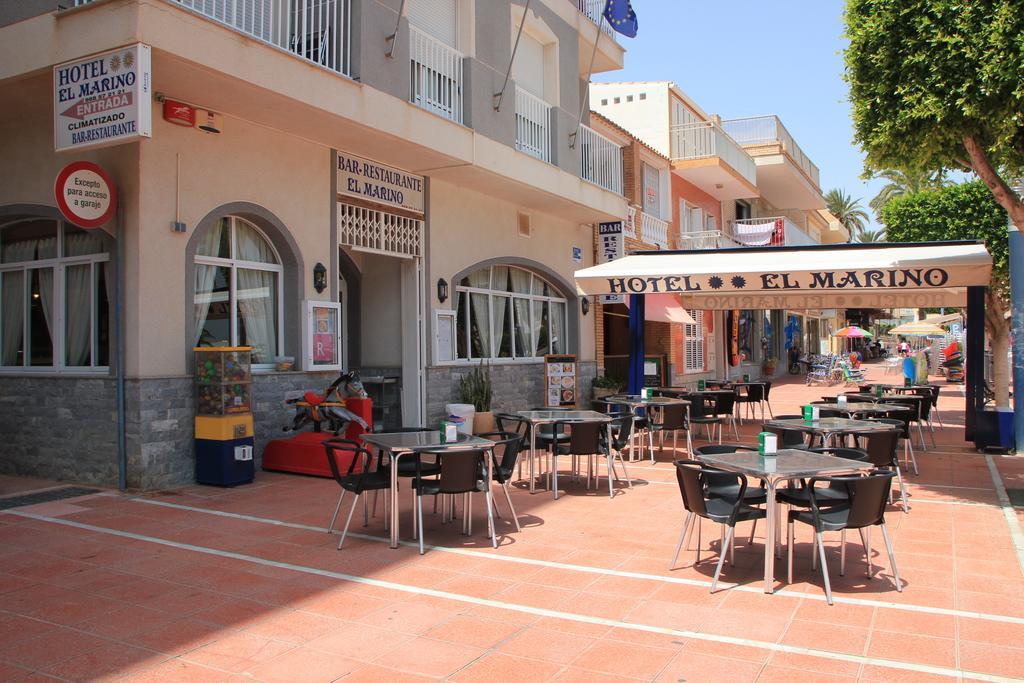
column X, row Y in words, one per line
column 442, row 290
column 319, row 278
column 585, row 305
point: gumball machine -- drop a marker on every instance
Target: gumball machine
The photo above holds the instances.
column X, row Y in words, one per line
column 224, row 426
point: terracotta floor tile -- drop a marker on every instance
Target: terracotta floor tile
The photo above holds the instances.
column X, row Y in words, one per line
column 884, row 674
column 547, row 644
column 372, row 673
column 237, row 652
column 573, row 674
column 357, row 641
column 786, row 675
column 912, row 648
column 917, row 623
column 428, row 656
column 302, row 665
column 834, row 638
column 991, row 659
column 178, row 671
column 406, row 617
column 108, row 661
column 125, row 622
column 503, row 667
column 180, row 636
column 472, row 631
column 50, row 648
column 694, row 667
column 625, row 659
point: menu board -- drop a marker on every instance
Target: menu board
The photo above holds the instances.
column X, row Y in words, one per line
column 560, row 376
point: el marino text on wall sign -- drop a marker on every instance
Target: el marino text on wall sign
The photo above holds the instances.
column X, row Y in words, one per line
column 375, row 182
column 831, row 280
column 103, row 99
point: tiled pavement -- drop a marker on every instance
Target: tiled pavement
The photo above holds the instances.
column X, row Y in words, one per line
column 211, row 584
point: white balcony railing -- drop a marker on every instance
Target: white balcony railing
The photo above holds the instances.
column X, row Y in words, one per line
column 706, row 139
column 601, row 159
column 768, row 130
column 593, row 10
column 316, row 30
column 436, row 78
column 704, row 239
column 654, row 230
column 533, row 125
column 629, row 227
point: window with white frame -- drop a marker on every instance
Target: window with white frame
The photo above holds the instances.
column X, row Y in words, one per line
column 56, row 287
column 509, row 312
column 237, row 292
column 652, row 190
column 693, row 343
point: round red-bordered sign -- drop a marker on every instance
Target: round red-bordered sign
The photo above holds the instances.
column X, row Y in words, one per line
column 85, row 194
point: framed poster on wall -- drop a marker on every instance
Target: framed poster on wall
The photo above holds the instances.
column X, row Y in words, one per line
column 323, row 335
column 560, row 379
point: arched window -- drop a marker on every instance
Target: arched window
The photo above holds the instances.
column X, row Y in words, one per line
column 238, row 290
column 56, row 287
column 509, row 312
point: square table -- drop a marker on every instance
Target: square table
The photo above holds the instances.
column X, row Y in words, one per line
column 788, row 464
column 828, row 427
column 542, row 417
column 397, row 444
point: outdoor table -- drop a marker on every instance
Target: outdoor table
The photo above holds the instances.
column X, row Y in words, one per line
column 398, row 444
column 635, row 403
column 788, row 464
column 864, row 408
column 543, row 417
column 828, row 427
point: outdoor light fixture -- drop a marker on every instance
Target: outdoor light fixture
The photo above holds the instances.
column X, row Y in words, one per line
column 585, row 305
column 319, row 277
column 442, row 290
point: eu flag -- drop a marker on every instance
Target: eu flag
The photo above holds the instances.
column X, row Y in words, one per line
column 621, row 17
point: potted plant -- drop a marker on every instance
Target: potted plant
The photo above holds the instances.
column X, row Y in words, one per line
column 606, row 386
column 769, row 366
column 475, row 388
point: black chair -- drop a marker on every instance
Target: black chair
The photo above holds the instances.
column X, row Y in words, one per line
column 881, row 446
column 356, row 479
column 406, row 464
column 800, row 496
column 787, row 438
column 826, row 400
column 583, row 438
column 702, row 412
column 933, row 393
column 901, row 420
column 725, row 486
column 767, row 402
column 622, row 431
column 461, row 472
column 506, row 452
column 748, row 395
column 864, row 509
column 693, row 486
column 725, row 408
column 920, row 410
column 671, row 418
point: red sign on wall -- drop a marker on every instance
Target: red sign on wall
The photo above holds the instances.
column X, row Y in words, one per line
column 85, row 194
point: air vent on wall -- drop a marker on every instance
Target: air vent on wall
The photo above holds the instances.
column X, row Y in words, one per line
column 524, row 225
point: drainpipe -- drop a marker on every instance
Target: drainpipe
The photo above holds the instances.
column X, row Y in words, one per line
column 1016, row 241
column 122, row 449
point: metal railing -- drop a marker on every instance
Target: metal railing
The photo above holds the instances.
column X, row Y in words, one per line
column 706, row 139
column 436, row 75
column 533, row 125
column 777, row 230
column 654, row 230
column 704, row 239
column 768, row 130
column 316, row 30
column 593, row 9
column 601, row 159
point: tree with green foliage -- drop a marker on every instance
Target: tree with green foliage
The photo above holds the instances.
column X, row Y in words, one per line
column 847, row 209
column 967, row 211
column 903, row 182
column 939, row 84
column 867, row 236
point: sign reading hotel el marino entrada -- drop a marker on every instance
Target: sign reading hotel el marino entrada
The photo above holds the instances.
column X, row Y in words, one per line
column 369, row 180
column 103, row 99
column 762, row 283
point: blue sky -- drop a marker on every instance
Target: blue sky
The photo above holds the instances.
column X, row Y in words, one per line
column 748, row 58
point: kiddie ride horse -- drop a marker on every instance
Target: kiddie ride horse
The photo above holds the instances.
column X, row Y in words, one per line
column 331, row 411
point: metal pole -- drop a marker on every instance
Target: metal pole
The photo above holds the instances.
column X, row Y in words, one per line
column 122, row 448
column 586, row 93
column 498, row 97
column 393, row 38
column 1016, row 241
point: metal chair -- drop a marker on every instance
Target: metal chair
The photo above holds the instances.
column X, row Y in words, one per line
column 881, row 446
column 461, row 472
column 506, row 451
column 584, row 438
column 864, row 509
column 356, row 479
column 693, row 486
column 702, row 414
column 621, row 429
column 749, row 394
column 671, row 418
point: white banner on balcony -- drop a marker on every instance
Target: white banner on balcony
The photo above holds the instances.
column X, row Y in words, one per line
column 104, row 99
column 756, row 234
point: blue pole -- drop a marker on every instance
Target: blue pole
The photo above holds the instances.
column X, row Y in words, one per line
column 636, row 342
column 1017, row 328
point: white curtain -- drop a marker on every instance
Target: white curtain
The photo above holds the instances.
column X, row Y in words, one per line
column 12, row 307
column 251, row 246
column 78, row 312
column 203, row 297
column 209, row 244
column 521, row 284
column 479, row 307
column 257, row 306
column 557, row 323
column 81, row 243
column 540, row 339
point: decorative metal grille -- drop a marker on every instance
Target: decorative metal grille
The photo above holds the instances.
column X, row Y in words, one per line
column 379, row 231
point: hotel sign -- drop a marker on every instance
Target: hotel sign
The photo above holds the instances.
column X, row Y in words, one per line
column 103, row 99
column 374, row 182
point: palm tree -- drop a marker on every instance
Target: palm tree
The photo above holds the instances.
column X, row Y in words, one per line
column 864, row 236
column 848, row 210
column 904, row 182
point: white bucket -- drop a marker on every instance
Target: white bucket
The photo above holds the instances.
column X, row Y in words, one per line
column 465, row 411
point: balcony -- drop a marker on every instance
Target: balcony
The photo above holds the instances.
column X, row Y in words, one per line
column 704, row 239
column 533, row 125
column 436, row 75
column 644, row 227
column 704, row 155
column 608, row 55
column 601, row 160
column 773, row 231
column 785, row 174
column 316, row 30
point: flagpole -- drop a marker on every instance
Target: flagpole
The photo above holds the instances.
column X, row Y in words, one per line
column 586, row 94
column 515, row 48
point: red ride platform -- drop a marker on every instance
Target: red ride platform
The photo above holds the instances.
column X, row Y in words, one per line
column 304, row 453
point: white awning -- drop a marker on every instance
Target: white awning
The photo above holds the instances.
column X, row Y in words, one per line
column 929, row 274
